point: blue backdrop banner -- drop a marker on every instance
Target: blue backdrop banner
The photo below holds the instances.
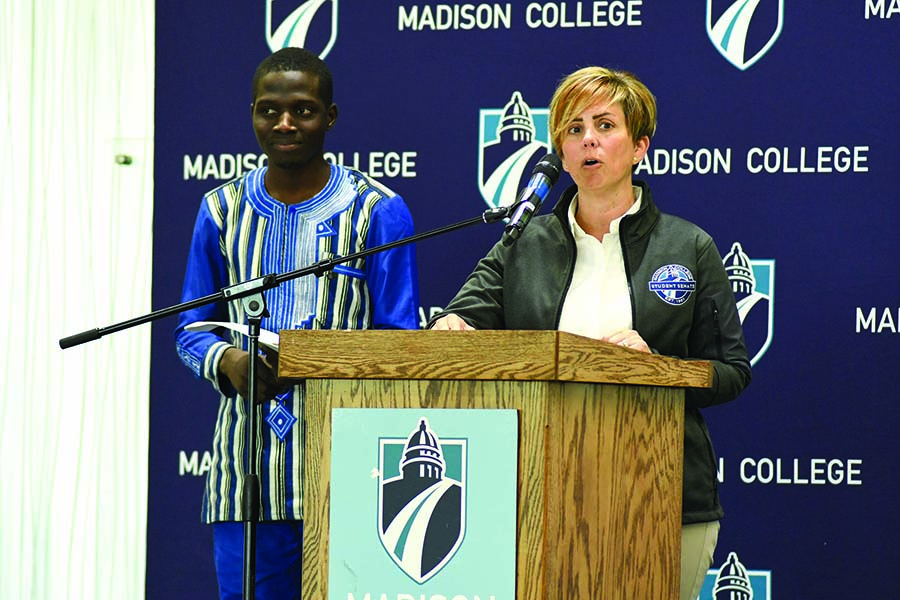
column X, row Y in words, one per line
column 777, row 134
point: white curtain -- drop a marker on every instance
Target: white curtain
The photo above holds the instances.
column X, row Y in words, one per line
column 75, row 250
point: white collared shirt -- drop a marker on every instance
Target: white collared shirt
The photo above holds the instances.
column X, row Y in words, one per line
column 597, row 303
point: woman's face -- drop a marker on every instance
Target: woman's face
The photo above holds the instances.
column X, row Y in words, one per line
column 597, row 149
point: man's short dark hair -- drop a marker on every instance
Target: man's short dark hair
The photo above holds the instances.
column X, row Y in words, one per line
column 297, row 59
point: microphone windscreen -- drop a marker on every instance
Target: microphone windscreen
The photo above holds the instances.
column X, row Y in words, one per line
column 549, row 166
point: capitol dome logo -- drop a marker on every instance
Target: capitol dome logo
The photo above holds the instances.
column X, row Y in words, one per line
column 753, row 284
column 744, row 30
column 511, row 140
column 733, row 581
column 306, row 26
column 422, row 500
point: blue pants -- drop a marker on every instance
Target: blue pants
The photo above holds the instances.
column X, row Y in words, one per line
column 279, row 559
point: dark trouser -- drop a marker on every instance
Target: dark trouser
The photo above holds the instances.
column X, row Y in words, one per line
column 279, row 559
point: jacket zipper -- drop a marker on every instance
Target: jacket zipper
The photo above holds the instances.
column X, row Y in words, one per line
column 628, row 277
column 572, row 258
column 717, row 331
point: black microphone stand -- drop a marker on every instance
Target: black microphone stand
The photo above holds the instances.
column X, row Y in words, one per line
column 250, row 294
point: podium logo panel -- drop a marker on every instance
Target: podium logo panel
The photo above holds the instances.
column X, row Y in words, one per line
column 422, row 500
column 423, row 503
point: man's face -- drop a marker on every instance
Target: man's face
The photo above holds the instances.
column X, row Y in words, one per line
column 290, row 119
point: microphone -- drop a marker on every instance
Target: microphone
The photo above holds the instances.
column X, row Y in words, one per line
column 544, row 176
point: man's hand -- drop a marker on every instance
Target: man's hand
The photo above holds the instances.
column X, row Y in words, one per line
column 235, row 365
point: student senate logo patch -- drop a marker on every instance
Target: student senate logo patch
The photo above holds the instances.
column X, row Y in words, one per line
column 674, row 284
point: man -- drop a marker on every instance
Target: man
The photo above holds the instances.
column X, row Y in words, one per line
column 292, row 213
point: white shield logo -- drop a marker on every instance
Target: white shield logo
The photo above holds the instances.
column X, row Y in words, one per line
column 730, row 29
column 295, row 30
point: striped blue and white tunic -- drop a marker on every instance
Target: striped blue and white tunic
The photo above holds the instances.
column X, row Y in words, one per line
column 242, row 233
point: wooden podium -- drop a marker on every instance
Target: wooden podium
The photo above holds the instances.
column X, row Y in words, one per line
column 601, row 434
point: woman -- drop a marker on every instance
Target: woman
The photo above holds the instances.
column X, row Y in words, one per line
column 609, row 265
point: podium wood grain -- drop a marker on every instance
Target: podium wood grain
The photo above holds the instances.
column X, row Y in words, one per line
column 480, row 355
column 600, row 444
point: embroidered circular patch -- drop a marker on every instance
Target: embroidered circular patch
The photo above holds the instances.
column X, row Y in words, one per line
column 674, row 284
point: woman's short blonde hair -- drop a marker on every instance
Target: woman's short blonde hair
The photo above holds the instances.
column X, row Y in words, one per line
column 588, row 85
